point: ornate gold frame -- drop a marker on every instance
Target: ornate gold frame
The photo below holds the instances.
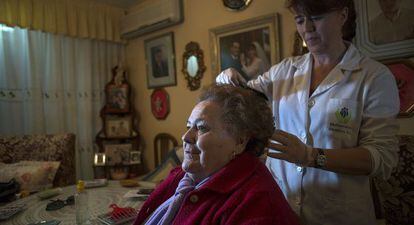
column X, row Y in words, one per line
column 270, row 21
column 193, row 49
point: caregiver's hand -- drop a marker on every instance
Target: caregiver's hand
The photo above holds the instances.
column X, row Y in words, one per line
column 290, row 148
column 231, row 76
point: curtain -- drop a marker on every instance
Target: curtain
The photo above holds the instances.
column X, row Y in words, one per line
column 53, row 84
column 75, row 18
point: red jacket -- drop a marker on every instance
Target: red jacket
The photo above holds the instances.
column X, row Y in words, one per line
column 243, row 192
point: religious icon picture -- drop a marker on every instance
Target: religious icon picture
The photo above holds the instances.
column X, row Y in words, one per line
column 118, row 127
column 117, row 92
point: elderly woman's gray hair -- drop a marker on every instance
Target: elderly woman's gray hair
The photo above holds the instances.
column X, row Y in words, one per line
column 245, row 112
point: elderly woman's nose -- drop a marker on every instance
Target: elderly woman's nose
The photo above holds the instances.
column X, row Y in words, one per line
column 188, row 136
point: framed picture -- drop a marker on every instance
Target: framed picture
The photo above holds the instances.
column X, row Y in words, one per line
column 135, row 157
column 118, row 127
column 403, row 71
column 250, row 46
column 117, row 92
column 160, row 58
column 117, row 99
column 160, row 103
column 99, row 159
column 385, row 29
column 117, row 154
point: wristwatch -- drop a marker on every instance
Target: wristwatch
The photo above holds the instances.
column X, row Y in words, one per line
column 320, row 160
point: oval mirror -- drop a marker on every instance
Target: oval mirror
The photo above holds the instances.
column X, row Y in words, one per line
column 193, row 65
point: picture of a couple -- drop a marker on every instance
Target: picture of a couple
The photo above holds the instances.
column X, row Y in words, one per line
column 246, row 52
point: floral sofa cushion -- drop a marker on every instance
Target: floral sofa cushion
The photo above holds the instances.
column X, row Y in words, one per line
column 31, row 175
column 396, row 195
column 56, row 147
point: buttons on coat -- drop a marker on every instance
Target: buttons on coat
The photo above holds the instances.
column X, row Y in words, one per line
column 311, row 103
column 194, row 198
column 299, row 169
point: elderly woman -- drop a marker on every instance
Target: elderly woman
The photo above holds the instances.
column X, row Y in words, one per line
column 334, row 113
column 221, row 180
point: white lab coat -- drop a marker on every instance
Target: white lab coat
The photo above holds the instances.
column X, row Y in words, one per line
column 355, row 105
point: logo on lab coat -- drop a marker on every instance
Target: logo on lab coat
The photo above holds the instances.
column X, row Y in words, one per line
column 343, row 115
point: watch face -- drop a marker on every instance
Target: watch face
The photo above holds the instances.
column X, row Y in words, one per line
column 321, row 160
column 236, row 4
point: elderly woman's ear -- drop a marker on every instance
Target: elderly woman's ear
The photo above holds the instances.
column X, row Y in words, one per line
column 241, row 143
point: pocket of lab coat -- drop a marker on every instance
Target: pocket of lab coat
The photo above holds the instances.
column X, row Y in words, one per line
column 342, row 122
column 346, row 211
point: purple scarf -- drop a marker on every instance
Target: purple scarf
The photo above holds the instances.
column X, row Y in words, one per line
column 166, row 212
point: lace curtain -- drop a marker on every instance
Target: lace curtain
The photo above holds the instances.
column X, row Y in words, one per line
column 54, row 84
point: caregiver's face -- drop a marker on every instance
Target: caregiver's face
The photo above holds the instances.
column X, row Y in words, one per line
column 207, row 144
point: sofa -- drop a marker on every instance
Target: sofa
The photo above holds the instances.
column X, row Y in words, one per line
column 54, row 147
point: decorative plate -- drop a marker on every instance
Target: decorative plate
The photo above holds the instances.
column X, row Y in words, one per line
column 160, row 103
column 236, row 5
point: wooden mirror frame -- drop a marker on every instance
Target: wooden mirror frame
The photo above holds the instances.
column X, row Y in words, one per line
column 193, row 49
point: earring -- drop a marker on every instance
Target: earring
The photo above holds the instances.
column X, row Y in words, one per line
column 232, row 156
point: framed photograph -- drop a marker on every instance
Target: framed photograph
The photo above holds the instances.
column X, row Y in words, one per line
column 117, row 98
column 160, row 60
column 117, row 154
column 117, row 92
column 250, row 46
column 118, row 127
column 160, row 104
column 403, row 71
column 135, row 157
column 99, row 159
column 385, row 29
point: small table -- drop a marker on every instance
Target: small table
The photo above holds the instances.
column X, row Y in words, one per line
column 99, row 200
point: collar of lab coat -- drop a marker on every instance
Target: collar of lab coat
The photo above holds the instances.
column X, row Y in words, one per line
column 350, row 61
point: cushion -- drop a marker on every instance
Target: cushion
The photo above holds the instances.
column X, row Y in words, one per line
column 31, row 175
column 42, row 147
column 162, row 171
